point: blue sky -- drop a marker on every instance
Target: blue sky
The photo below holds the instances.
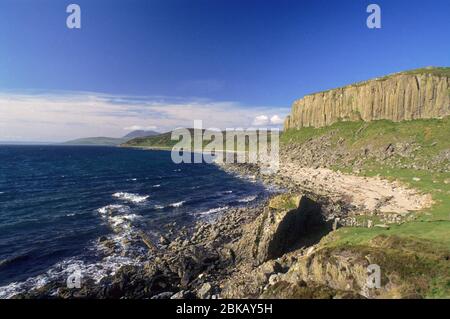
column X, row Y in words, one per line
column 248, row 56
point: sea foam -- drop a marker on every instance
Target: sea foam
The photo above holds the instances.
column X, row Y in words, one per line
column 178, row 204
column 247, row 199
column 214, row 210
column 130, row 197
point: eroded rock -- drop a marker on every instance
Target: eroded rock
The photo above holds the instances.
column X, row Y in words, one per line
column 288, row 222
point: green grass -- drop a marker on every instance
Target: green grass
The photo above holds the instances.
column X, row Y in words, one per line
column 158, row 141
column 433, row 136
column 358, row 134
column 419, row 240
column 284, row 202
column 431, row 226
column 438, row 71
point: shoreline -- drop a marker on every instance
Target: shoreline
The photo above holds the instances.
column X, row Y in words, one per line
column 206, row 260
column 175, row 239
column 246, row 252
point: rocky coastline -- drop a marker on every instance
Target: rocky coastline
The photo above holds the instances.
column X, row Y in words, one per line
column 288, row 246
column 210, row 259
column 270, row 249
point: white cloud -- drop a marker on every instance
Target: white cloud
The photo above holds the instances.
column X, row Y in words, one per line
column 63, row 116
column 261, row 120
column 276, row 120
column 139, row 128
column 264, row 120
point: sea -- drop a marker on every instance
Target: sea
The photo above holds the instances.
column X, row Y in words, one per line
column 57, row 203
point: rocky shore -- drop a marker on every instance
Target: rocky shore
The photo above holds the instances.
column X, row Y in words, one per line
column 266, row 250
column 211, row 259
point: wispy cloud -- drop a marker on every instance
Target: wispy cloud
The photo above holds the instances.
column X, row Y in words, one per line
column 62, row 116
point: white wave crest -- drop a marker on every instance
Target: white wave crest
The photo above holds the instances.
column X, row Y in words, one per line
column 113, row 209
column 130, row 197
column 123, row 221
column 247, row 199
column 214, row 210
column 178, row 204
column 62, row 270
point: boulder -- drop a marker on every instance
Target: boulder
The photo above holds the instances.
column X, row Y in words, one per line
column 205, row 291
column 289, row 222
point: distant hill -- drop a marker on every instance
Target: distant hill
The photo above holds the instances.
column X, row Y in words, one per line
column 106, row 141
column 110, row 141
column 25, row 143
column 164, row 141
column 158, row 141
column 140, row 133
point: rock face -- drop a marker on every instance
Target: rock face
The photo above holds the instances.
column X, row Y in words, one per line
column 287, row 223
column 403, row 96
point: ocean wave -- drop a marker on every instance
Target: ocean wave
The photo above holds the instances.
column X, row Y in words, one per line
column 178, row 204
column 159, row 207
column 13, row 259
column 61, row 271
column 123, row 221
column 156, row 186
column 119, row 217
column 110, row 209
column 214, row 210
column 124, row 253
column 247, row 199
column 130, row 197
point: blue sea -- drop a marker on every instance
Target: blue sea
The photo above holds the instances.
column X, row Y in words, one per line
column 57, row 201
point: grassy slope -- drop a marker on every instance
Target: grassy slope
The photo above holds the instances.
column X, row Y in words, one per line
column 158, row 141
column 430, row 231
column 440, row 71
column 163, row 141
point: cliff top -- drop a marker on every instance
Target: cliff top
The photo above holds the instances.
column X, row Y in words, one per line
column 438, row 71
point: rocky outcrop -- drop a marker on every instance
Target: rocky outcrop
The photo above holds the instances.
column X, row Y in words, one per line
column 403, row 96
column 403, row 264
column 287, row 223
column 329, row 271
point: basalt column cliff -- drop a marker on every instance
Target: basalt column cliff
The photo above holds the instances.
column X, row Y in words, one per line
column 417, row 94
